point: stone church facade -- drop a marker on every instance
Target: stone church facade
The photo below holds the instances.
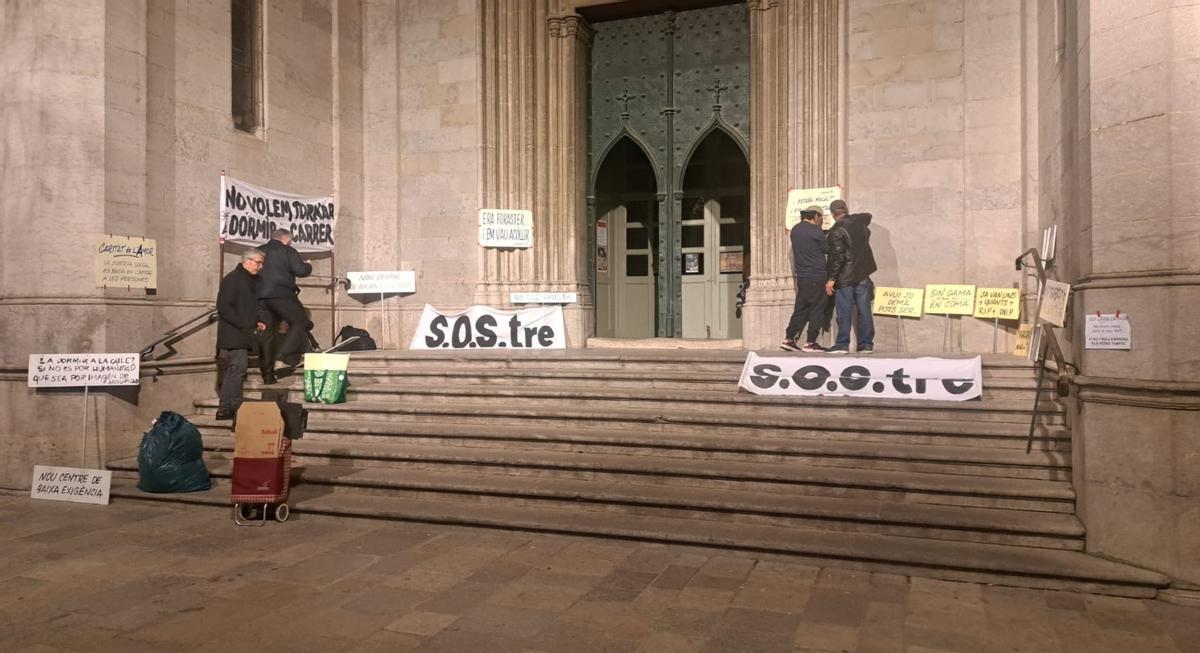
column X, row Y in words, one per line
column 966, row 127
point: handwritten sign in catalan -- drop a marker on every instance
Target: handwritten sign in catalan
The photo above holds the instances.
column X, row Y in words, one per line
column 801, row 198
column 125, row 261
column 1108, row 331
column 78, row 370
column 505, row 228
column 998, row 303
column 378, row 283
column 902, row 302
column 1054, row 302
column 1024, row 333
column 543, row 297
column 949, row 299
column 71, row 484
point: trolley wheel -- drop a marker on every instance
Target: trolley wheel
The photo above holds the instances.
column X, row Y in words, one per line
column 281, row 512
column 247, row 511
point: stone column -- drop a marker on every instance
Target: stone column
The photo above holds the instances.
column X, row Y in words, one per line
column 1136, row 444
column 534, row 124
column 797, row 137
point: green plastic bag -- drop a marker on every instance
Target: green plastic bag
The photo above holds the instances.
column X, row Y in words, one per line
column 325, row 378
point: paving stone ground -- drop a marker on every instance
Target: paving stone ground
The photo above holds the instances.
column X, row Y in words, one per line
column 135, row 577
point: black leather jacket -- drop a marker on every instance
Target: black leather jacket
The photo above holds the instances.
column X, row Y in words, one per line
column 850, row 257
column 279, row 271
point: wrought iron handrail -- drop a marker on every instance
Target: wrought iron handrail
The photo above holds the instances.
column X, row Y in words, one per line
column 1047, row 344
column 171, row 335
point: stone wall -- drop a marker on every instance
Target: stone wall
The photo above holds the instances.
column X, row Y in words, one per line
column 936, row 151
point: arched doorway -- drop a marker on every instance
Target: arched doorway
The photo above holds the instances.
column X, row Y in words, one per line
column 626, row 242
column 714, row 236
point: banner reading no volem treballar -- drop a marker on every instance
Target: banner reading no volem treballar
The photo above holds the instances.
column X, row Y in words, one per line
column 250, row 213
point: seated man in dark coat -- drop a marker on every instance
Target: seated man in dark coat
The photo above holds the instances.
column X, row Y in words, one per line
column 279, row 295
column 238, row 326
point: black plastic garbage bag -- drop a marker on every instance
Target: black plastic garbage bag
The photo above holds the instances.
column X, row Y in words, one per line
column 171, row 457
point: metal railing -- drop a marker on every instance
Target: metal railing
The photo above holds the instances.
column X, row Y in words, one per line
column 170, row 336
column 1047, row 344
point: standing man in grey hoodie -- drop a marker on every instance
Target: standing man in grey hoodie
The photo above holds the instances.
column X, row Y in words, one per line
column 851, row 264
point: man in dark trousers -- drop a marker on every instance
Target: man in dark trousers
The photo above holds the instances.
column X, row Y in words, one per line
column 279, row 295
column 851, row 263
column 238, row 326
column 809, row 272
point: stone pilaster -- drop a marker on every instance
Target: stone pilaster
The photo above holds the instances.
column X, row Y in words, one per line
column 796, row 140
column 534, row 125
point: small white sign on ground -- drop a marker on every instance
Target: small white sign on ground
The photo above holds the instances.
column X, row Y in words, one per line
column 505, row 228
column 83, row 370
column 382, row 282
column 543, row 297
column 71, row 484
column 1108, row 331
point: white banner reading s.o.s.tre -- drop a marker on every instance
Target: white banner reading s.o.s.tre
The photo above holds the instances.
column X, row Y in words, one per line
column 483, row 327
column 942, row 379
column 250, row 213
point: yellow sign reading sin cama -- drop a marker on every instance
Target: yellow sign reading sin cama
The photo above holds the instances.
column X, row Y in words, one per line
column 902, row 302
column 948, row 299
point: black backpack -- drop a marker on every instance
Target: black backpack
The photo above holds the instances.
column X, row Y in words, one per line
column 364, row 343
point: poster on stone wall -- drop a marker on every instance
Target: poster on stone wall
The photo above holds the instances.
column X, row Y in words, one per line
column 124, row 261
column 250, row 213
column 505, row 228
column 799, row 199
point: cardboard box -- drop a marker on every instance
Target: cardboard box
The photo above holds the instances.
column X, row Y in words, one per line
column 259, row 430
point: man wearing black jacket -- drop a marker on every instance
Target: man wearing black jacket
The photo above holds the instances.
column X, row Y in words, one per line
column 238, row 326
column 851, row 263
column 278, row 293
column 809, row 270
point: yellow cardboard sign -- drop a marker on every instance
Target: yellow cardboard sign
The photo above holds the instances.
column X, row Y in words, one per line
column 999, row 303
column 949, row 299
column 903, row 302
column 801, row 198
column 127, row 261
column 1024, row 332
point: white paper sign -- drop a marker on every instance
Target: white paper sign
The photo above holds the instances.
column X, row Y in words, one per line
column 1054, row 302
column 378, row 283
column 543, row 297
column 1108, row 331
column 250, row 213
column 799, row 199
column 71, row 484
column 483, row 327
column 942, row 379
column 505, row 228
column 79, row 370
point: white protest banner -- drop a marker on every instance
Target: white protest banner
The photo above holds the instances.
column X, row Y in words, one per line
column 125, row 261
column 543, row 297
column 250, row 213
column 942, row 379
column 505, row 228
column 71, row 484
column 83, row 370
column 1054, row 302
column 378, row 283
column 799, row 199
column 1108, row 331
column 483, row 327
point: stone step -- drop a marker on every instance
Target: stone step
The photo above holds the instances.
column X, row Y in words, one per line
column 977, row 461
column 963, row 561
column 960, row 432
column 1023, row 528
column 711, row 400
column 792, row 477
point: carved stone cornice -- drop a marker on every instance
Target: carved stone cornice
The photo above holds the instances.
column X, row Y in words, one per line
column 571, row 26
column 1157, row 394
column 762, row 5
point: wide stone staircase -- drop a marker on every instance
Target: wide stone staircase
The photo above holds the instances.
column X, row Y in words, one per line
column 660, row 445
